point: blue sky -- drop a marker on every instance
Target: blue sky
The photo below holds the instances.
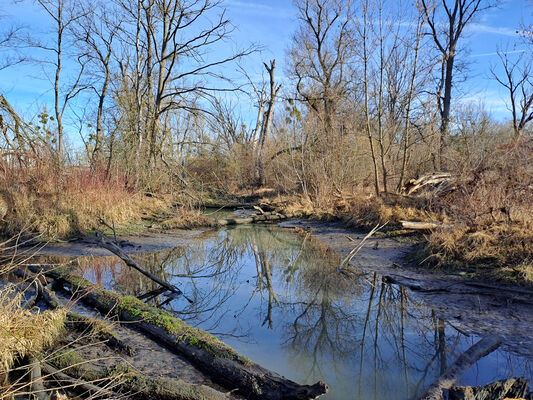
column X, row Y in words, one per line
column 271, row 24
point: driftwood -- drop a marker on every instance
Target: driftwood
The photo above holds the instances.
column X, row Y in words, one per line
column 265, row 217
column 415, row 185
column 112, row 247
column 480, row 349
column 423, row 226
column 209, row 355
column 512, row 388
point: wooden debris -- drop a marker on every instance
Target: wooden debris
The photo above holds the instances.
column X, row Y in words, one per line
column 209, row 355
column 112, row 247
column 423, row 226
column 480, row 349
column 512, row 388
column 415, row 185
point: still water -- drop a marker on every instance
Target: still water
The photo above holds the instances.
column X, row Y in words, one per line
column 282, row 301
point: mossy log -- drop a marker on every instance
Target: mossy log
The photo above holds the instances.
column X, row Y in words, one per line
column 226, row 367
column 480, row 349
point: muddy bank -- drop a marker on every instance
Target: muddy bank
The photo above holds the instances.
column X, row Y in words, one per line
column 132, row 244
column 470, row 307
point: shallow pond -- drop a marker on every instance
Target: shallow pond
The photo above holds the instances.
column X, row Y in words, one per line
column 282, row 301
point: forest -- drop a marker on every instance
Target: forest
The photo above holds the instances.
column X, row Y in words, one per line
column 157, row 115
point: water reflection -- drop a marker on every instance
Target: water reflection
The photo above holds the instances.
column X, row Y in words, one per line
column 282, row 301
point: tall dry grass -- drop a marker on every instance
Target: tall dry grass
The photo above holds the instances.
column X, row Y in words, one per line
column 61, row 200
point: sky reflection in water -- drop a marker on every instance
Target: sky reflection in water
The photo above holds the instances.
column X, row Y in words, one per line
column 280, row 300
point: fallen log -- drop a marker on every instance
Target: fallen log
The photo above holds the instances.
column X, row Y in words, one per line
column 414, row 185
column 423, row 226
column 112, row 247
column 479, row 350
column 512, row 388
column 228, row 368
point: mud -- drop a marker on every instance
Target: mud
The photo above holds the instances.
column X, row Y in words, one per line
column 131, row 244
column 469, row 309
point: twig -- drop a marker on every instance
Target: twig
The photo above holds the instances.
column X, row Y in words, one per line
column 358, row 248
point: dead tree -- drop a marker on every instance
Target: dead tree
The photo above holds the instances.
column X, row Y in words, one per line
column 457, row 14
column 266, row 123
column 517, row 79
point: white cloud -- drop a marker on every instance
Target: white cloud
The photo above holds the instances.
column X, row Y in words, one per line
column 494, row 53
column 493, row 30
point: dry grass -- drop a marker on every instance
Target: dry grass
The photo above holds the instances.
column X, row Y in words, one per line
column 185, row 218
column 23, row 333
column 67, row 200
column 493, row 214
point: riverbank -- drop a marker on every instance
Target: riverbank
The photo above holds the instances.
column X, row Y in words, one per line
column 473, row 307
column 379, row 261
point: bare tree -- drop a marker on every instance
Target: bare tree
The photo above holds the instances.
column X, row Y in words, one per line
column 8, row 55
column 63, row 14
column 320, row 56
column 95, row 33
column 180, row 33
column 267, row 122
column 447, row 20
column 518, row 81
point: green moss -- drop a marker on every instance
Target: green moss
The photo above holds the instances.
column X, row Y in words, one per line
column 66, row 359
column 176, row 327
column 154, row 316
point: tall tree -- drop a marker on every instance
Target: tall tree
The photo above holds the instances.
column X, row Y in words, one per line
column 182, row 34
column 63, row 14
column 320, row 56
column 95, row 33
column 447, row 20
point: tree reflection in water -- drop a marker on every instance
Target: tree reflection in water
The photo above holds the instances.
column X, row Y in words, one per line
column 285, row 303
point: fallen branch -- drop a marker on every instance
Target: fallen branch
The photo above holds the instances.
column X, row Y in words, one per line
column 423, row 226
column 358, row 248
column 479, row 350
column 112, row 247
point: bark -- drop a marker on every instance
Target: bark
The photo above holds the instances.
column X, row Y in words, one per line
column 479, row 350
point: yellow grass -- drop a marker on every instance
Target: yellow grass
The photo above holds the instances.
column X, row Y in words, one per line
column 23, row 333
